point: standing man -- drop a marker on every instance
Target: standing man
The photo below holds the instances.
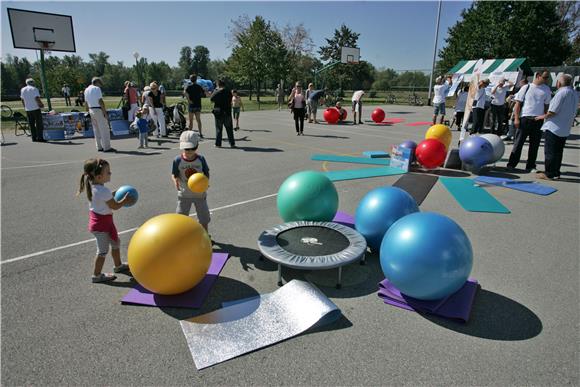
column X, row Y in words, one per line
column 279, row 96
column 194, row 94
column 499, row 93
column 440, row 91
column 222, row 111
column 557, row 124
column 30, row 97
column 99, row 117
column 66, row 94
column 479, row 107
column 531, row 105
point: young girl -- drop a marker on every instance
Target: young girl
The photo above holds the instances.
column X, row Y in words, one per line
column 97, row 172
column 236, row 105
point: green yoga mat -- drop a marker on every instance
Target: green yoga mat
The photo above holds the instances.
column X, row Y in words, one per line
column 471, row 197
column 351, row 159
column 351, row 174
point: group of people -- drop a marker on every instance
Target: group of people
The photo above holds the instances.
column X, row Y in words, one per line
column 304, row 104
column 102, row 201
column 521, row 114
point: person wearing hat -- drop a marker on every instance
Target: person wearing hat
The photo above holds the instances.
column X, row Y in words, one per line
column 30, row 97
column 185, row 165
column 99, row 117
column 479, row 107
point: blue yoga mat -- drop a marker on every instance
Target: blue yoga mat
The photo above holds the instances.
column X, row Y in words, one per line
column 525, row 186
column 471, row 197
column 351, row 174
column 375, row 154
column 350, row 159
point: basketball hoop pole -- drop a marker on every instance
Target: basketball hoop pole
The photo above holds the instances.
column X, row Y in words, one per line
column 434, row 53
column 43, row 79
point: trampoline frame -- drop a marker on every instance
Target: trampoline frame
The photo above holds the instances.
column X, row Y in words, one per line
column 269, row 248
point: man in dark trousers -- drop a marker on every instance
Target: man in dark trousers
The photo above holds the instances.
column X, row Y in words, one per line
column 30, row 97
column 222, row 111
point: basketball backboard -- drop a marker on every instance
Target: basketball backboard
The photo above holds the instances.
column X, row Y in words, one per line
column 349, row 55
column 35, row 30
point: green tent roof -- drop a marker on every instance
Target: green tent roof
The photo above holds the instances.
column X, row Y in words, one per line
column 493, row 65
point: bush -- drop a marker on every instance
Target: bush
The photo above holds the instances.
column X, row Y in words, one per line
column 372, row 94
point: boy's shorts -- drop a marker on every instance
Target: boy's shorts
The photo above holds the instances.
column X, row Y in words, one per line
column 439, row 108
column 236, row 111
column 201, row 208
column 193, row 109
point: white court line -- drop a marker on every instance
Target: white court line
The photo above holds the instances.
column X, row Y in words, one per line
column 122, row 232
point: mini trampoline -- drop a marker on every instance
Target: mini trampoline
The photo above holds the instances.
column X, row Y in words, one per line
column 308, row 245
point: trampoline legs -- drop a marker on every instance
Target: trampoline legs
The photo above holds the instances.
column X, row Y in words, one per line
column 338, row 284
column 363, row 260
column 279, row 275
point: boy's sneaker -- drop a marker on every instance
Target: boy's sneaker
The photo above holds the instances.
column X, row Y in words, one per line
column 122, row 268
column 103, row 277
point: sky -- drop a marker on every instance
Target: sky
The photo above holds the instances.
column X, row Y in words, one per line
column 397, row 35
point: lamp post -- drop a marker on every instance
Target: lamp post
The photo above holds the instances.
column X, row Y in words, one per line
column 434, row 52
column 136, row 55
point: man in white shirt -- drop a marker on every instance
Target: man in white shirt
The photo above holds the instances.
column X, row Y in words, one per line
column 479, row 107
column 557, row 124
column 498, row 108
column 440, row 91
column 531, row 103
column 30, row 97
column 66, row 94
column 99, row 116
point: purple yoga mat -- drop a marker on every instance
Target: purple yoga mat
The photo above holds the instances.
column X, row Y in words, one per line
column 456, row 306
column 344, row 219
column 193, row 298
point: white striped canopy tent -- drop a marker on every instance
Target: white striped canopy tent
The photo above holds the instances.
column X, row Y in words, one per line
column 512, row 69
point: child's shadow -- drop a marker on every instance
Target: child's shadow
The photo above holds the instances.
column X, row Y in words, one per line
column 247, row 256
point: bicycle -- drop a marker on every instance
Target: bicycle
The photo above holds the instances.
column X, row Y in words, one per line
column 391, row 99
column 415, row 100
column 6, row 111
column 21, row 124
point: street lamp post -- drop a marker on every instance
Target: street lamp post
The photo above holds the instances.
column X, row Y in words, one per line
column 136, row 55
column 434, row 52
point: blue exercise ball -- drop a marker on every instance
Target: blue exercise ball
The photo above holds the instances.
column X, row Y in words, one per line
column 476, row 151
column 426, row 256
column 307, row 195
column 379, row 209
column 412, row 145
column 123, row 190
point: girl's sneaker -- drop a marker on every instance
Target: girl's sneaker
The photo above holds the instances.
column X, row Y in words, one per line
column 122, row 268
column 103, row 277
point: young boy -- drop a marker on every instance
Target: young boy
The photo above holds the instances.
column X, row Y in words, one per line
column 142, row 126
column 185, row 165
column 236, row 105
column 341, row 112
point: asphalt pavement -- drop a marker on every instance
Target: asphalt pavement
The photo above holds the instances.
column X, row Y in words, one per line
column 60, row 329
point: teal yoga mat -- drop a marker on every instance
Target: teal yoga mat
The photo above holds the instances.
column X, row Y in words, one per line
column 471, row 197
column 351, row 159
column 351, row 174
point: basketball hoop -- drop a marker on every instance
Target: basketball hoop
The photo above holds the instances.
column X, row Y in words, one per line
column 46, row 46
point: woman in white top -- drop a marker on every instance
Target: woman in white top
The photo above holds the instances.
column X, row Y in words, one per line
column 298, row 105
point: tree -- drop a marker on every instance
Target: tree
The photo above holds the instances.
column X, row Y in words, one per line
column 299, row 46
column 507, row 29
column 100, row 62
column 384, row 79
column 185, row 62
column 569, row 13
column 259, row 55
column 216, row 69
column 200, row 60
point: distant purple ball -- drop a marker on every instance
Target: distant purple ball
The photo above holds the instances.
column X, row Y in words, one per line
column 410, row 145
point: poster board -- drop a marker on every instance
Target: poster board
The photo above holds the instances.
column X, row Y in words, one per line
column 400, row 157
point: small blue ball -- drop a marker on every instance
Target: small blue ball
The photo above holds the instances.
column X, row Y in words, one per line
column 379, row 209
column 476, row 151
column 426, row 256
column 121, row 191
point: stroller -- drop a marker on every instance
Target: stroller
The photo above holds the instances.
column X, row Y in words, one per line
column 175, row 118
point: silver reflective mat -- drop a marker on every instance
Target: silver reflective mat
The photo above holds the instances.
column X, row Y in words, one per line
column 238, row 329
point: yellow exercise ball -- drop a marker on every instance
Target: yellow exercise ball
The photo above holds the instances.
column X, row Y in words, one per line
column 169, row 254
column 440, row 132
column 198, row 182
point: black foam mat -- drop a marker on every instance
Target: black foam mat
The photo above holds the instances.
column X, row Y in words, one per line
column 418, row 186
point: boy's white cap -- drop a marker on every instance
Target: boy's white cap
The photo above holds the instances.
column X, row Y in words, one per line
column 188, row 140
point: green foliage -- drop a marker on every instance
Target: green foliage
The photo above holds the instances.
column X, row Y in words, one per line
column 200, row 61
column 508, row 29
column 185, row 62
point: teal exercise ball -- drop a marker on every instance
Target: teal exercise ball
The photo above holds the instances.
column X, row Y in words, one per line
column 307, row 195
